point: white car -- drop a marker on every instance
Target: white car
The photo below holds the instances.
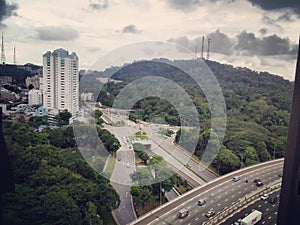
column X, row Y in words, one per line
column 264, row 197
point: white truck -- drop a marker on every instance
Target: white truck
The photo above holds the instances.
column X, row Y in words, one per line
column 252, row 218
column 183, row 213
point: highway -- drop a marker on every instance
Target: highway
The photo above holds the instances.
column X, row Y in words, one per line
column 121, row 181
column 269, row 211
column 219, row 194
column 176, row 157
column 195, row 173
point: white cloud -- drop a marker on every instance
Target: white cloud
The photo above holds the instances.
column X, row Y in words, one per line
column 95, row 29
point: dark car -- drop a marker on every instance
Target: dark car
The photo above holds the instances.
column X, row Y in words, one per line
column 259, row 184
column 272, row 200
column 256, row 180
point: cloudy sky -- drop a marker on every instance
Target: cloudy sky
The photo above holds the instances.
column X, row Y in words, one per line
column 259, row 34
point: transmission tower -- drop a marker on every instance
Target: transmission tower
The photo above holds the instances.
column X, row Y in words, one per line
column 2, row 52
column 14, row 59
column 202, row 47
column 208, row 45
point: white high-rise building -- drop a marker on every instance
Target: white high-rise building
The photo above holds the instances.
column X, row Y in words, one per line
column 61, row 81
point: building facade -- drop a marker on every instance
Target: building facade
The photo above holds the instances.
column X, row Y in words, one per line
column 35, row 97
column 34, row 81
column 289, row 205
column 61, row 81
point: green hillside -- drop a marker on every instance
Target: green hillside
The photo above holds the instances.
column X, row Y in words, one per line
column 257, row 108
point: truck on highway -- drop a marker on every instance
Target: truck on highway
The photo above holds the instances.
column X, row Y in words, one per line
column 183, row 213
column 252, row 218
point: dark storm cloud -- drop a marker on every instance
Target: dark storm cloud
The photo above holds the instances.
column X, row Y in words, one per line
column 285, row 17
column 248, row 44
column 130, row 29
column 268, row 20
column 263, row 30
column 243, row 44
column 220, row 43
column 184, row 42
column 184, row 4
column 98, row 5
column 52, row 33
column 188, row 5
column 7, row 10
column 293, row 5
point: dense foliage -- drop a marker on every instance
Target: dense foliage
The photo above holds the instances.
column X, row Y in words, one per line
column 153, row 181
column 19, row 75
column 54, row 185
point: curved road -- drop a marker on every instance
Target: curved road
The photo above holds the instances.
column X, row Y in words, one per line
column 219, row 194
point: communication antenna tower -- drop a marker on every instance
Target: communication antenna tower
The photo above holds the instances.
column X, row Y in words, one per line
column 2, row 51
column 14, row 59
column 208, row 46
column 202, row 47
column 196, row 50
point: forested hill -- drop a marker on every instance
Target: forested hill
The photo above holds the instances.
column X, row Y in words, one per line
column 250, row 84
column 239, row 84
column 257, row 105
column 19, row 73
column 242, row 81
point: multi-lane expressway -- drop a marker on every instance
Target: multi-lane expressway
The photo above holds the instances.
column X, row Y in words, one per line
column 219, row 194
column 269, row 211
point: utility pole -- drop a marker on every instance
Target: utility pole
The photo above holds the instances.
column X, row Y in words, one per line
column 208, row 46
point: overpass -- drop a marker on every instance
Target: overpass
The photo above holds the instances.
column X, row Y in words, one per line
column 219, row 194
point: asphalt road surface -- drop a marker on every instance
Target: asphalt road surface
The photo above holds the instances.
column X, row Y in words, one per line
column 218, row 194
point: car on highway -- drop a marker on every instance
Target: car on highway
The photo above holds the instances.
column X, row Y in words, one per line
column 201, row 201
column 210, row 213
column 256, row 180
column 264, row 197
column 238, row 222
column 259, row 184
column 183, row 213
column 236, row 178
column 272, row 200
